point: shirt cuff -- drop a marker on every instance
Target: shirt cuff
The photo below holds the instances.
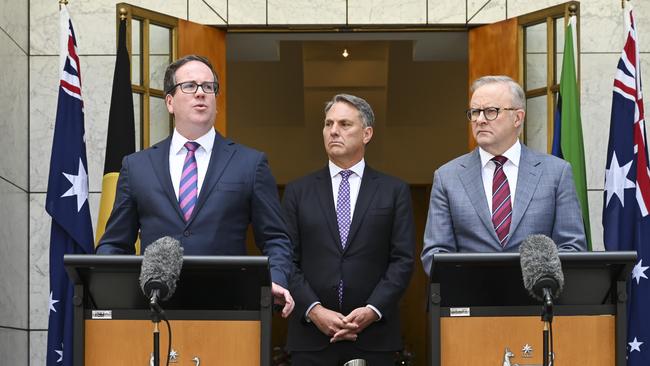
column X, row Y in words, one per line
column 375, row 310
column 309, row 309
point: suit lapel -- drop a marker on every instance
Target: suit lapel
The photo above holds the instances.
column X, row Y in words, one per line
column 527, row 180
column 326, row 200
column 472, row 180
column 160, row 162
column 367, row 191
column 222, row 151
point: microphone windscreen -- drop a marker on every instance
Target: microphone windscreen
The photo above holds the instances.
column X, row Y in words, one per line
column 161, row 267
column 539, row 259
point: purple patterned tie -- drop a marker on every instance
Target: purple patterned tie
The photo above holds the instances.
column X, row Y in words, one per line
column 343, row 217
column 501, row 206
column 187, row 192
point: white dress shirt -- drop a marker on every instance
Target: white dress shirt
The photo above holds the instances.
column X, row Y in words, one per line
column 177, row 152
column 510, row 168
column 354, row 179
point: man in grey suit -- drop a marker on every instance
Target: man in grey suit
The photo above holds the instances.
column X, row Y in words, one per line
column 492, row 198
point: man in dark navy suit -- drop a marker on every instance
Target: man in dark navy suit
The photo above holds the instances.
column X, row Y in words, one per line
column 353, row 236
column 199, row 187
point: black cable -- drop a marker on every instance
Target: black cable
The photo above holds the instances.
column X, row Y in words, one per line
column 169, row 332
column 551, row 351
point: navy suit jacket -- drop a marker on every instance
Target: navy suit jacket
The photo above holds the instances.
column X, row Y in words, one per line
column 238, row 189
column 375, row 265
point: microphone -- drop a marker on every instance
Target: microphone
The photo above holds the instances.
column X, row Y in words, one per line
column 161, row 267
column 541, row 268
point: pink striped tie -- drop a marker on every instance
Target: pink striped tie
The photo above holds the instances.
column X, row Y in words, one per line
column 189, row 181
column 501, row 206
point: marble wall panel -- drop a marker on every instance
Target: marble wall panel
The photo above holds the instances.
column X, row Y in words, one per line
column 39, row 261
column 536, row 124
column 13, row 21
column 247, row 12
column 213, row 12
column 387, row 12
column 519, row 7
column 97, row 79
column 43, row 95
column 13, row 256
column 13, row 112
column 306, row 11
column 642, row 17
column 602, row 28
column 94, row 23
column 486, row 11
column 39, row 256
column 13, row 346
column 597, row 78
column 37, row 347
column 595, row 198
column 447, row 12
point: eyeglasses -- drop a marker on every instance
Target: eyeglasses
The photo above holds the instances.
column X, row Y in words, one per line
column 490, row 113
column 190, row 87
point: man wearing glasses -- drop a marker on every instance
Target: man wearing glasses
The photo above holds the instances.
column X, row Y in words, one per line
column 199, row 187
column 492, row 198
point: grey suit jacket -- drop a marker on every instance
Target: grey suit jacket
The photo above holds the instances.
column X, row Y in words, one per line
column 459, row 219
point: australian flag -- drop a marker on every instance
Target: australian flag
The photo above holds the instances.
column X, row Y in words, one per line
column 626, row 222
column 67, row 197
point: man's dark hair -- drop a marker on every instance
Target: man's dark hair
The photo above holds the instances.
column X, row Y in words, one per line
column 170, row 73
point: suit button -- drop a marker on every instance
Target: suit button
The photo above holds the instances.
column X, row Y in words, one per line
column 187, row 233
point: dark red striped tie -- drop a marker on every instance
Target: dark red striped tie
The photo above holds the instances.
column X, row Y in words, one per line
column 501, row 206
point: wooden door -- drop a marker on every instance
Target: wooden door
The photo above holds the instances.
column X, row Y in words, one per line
column 494, row 49
column 194, row 38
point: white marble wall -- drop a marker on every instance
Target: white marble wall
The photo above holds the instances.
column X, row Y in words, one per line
column 14, row 314
column 24, row 185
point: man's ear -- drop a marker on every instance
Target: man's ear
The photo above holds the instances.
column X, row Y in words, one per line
column 168, row 103
column 519, row 117
column 367, row 135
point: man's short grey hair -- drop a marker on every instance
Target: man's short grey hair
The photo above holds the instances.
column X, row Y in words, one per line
column 518, row 95
column 365, row 111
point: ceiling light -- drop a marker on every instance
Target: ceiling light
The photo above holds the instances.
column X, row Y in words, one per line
column 345, row 53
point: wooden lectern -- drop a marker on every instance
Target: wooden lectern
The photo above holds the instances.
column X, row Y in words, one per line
column 480, row 313
column 220, row 313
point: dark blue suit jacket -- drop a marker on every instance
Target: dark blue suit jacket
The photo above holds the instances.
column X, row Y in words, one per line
column 375, row 265
column 238, row 189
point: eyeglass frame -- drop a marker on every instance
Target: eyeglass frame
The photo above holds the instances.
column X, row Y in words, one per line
column 196, row 87
column 468, row 112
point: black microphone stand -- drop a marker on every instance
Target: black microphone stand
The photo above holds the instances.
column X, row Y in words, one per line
column 157, row 313
column 547, row 318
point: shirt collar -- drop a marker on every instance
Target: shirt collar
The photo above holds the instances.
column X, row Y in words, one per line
column 356, row 168
column 206, row 141
column 513, row 154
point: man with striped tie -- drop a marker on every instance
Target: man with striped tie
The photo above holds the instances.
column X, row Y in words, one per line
column 198, row 186
column 492, row 198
